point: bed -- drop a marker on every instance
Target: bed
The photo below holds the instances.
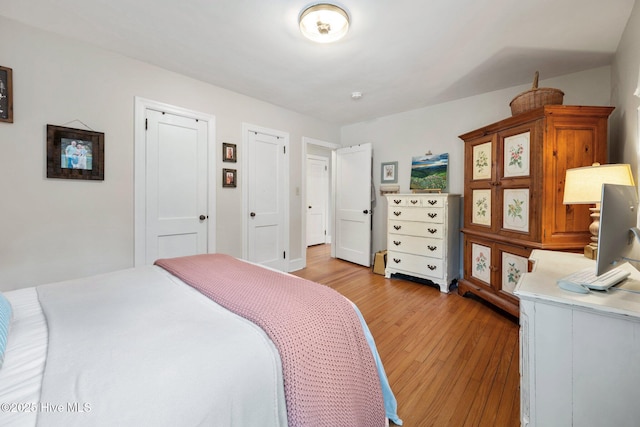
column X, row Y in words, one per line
column 191, row 341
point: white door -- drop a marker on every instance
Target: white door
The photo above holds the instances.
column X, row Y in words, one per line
column 317, row 199
column 353, row 204
column 176, row 186
column 267, row 199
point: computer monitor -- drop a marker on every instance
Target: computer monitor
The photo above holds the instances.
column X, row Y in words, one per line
column 618, row 225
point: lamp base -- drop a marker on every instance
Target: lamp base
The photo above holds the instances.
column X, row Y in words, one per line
column 591, row 251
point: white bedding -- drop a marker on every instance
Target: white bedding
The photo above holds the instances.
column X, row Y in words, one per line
column 21, row 374
column 97, row 326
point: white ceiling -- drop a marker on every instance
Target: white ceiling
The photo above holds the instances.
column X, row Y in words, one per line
column 401, row 54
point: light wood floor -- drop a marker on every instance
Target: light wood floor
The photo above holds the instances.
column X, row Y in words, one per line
column 450, row 360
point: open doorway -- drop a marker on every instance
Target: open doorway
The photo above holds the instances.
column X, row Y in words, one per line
column 315, row 155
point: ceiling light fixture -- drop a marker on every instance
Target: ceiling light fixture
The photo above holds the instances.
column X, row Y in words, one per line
column 324, row 23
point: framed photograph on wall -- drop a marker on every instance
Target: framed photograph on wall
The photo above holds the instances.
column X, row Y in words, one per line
column 228, row 152
column 389, row 173
column 229, row 177
column 6, row 95
column 74, row 153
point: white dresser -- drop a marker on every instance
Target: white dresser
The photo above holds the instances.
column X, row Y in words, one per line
column 579, row 354
column 423, row 235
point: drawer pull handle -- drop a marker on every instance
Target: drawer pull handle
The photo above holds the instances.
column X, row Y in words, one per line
column 397, row 243
column 432, row 202
column 431, row 267
column 397, row 227
column 432, row 215
column 432, row 248
column 396, row 201
column 413, row 202
column 397, row 260
column 432, row 230
column 396, row 213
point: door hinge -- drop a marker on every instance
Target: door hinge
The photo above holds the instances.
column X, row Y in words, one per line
column 146, row 124
column 284, row 150
column 284, row 254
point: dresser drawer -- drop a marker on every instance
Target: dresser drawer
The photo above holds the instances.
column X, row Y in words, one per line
column 434, row 215
column 423, row 229
column 427, row 202
column 416, row 245
column 409, row 263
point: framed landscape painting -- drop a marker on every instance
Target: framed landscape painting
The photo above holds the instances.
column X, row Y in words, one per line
column 429, row 172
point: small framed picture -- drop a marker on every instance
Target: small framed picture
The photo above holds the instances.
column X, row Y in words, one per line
column 389, row 173
column 6, row 95
column 74, row 153
column 228, row 152
column 228, row 177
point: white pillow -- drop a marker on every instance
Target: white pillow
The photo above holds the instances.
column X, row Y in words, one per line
column 5, row 321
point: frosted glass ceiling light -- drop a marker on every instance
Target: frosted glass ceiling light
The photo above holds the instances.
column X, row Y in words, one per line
column 324, row 23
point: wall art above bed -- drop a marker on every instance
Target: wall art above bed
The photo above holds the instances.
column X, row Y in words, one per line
column 74, row 153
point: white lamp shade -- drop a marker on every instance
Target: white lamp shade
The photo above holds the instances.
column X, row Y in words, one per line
column 584, row 185
column 324, row 23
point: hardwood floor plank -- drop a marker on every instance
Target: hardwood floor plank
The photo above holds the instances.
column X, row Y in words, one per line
column 451, row 361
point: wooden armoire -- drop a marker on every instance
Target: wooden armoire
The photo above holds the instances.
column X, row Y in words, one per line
column 514, row 185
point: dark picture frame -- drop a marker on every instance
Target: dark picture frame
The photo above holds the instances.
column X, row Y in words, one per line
column 6, row 95
column 229, row 177
column 228, row 152
column 74, row 153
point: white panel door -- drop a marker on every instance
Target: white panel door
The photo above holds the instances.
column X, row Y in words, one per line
column 317, row 199
column 353, row 204
column 266, row 200
column 176, row 186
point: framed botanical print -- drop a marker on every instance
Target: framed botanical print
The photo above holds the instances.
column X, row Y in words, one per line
column 515, row 214
column 389, row 173
column 482, row 161
column 513, row 267
column 517, row 155
column 480, row 262
column 481, row 207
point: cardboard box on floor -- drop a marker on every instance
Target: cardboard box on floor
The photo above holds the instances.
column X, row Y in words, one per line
column 380, row 262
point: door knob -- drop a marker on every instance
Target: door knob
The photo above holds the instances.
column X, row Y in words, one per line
column 252, row 214
column 202, row 217
column 366, row 211
column 309, row 207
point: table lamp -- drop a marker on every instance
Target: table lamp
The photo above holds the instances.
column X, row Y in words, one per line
column 584, row 186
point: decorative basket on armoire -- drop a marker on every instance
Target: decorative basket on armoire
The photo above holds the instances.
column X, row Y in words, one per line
column 535, row 97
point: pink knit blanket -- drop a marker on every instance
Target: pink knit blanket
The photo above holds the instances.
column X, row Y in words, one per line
column 330, row 376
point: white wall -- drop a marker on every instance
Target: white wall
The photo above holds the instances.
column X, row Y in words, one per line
column 625, row 82
column 402, row 136
column 53, row 229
